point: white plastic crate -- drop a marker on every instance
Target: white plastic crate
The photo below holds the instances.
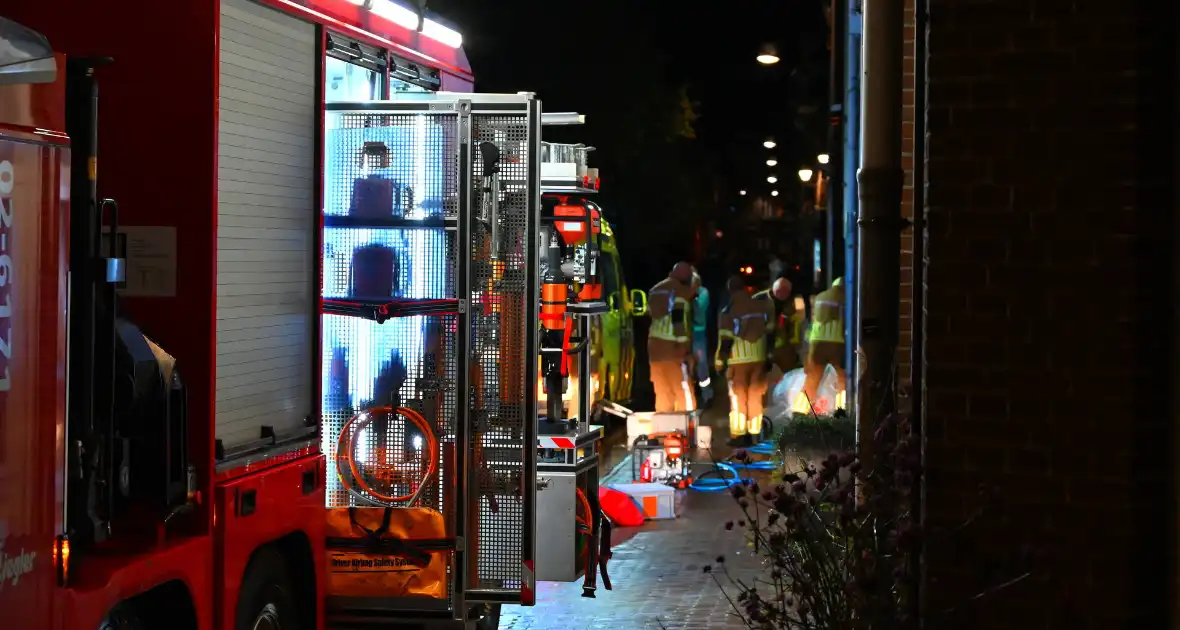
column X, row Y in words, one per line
column 655, row 500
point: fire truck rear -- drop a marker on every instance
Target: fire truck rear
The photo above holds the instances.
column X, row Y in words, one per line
column 284, row 243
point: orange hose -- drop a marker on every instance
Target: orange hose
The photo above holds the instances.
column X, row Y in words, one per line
column 349, row 456
column 588, row 522
column 585, row 506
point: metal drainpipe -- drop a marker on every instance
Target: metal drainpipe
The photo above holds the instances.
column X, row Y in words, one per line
column 851, row 151
column 918, row 318
column 833, row 253
column 880, row 223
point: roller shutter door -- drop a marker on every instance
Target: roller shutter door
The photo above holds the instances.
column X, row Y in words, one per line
column 266, row 222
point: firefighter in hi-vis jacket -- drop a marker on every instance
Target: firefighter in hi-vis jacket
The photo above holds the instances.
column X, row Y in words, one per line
column 825, row 340
column 669, row 342
column 742, row 343
column 783, row 352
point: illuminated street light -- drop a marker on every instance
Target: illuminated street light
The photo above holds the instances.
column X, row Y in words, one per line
column 768, row 56
column 769, row 143
column 742, row 193
column 772, row 179
column 772, row 162
column 805, row 174
column 774, row 193
column 822, row 158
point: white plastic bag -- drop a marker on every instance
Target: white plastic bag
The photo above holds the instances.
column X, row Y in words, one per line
column 786, row 397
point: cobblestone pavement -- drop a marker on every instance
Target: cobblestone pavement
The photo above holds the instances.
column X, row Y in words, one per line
column 656, row 572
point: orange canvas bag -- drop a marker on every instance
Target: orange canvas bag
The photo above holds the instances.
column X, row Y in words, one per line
column 387, row 552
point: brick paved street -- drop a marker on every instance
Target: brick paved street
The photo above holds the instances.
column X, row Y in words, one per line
column 656, row 572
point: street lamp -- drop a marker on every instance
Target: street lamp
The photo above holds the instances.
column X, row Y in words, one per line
column 774, row 193
column 769, row 143
column 772, row 162
column 805, row 174
column 768, row 56
column 822, row 158
column 772, row 179
column 742, row 193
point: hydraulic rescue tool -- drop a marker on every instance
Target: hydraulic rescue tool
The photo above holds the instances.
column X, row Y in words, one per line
column 571, row 297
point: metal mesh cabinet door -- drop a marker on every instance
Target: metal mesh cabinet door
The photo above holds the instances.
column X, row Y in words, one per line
column 391, row 202
column 409, row 152
column 496, row 419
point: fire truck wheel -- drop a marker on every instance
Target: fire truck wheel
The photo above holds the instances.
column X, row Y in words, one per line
column 491, row 621
column 265, row 599
column 122, row 617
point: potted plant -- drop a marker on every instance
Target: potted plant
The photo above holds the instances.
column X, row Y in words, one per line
column 839, row 540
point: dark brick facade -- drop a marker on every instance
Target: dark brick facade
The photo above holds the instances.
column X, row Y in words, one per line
column 1050, row 170
column 908, row 120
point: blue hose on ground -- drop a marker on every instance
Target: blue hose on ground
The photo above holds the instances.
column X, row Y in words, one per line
column 702, row 484
column 765, row 447
column 762, row 465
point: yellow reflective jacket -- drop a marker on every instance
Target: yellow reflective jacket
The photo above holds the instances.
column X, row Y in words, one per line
column 781, row 326
column 827, row 324
column 798, row 324
column 663, row 300
column 746, row 322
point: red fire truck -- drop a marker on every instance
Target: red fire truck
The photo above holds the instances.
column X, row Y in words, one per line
column 168, row 473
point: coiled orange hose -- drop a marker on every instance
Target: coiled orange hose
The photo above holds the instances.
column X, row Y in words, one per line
column 347, row 452
column 586, row 521
column 585, row 507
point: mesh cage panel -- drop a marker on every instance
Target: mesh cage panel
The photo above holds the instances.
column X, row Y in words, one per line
column 381, row 170
column 393, row 215
column 380, row 264
column 400, row 166
column 501, row 335
column 407, row 362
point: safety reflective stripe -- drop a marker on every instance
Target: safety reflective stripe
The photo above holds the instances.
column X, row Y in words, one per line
column 747, row 352
column 827, row 331
column 797, row 329
column 687, row 319
column 689, row 399
column 661, row 328
column 722, row 334
column 754, row 425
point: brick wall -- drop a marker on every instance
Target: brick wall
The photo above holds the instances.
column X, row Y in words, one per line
column 905, row 325
column 1049, row 205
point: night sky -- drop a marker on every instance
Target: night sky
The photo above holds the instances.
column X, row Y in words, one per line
column 634, row 68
